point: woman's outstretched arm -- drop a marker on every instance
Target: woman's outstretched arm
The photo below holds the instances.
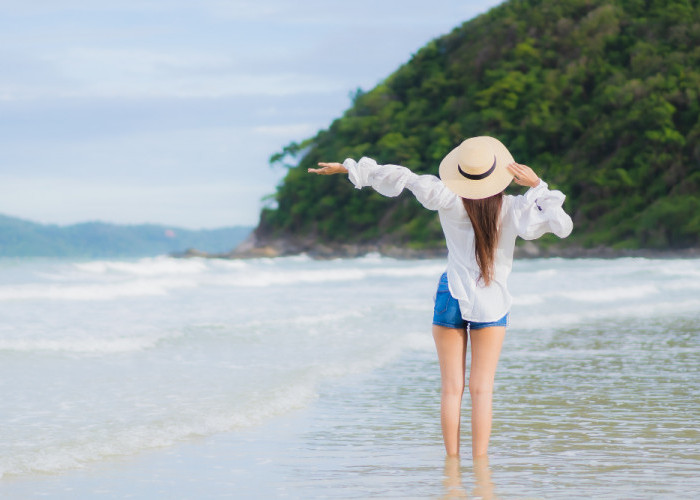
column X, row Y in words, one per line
column 329, row 169
column 390, row 180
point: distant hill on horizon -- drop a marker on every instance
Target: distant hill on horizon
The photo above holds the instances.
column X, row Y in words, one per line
column 24, row 238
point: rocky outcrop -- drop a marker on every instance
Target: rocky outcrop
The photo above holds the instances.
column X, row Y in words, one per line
column 257, row 247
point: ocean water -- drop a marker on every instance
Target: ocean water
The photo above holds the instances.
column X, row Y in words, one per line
column 297, row 378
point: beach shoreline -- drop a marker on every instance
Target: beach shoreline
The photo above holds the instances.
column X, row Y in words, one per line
column 256, row 247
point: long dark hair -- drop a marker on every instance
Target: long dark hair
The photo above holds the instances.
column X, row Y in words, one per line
column 485, row 217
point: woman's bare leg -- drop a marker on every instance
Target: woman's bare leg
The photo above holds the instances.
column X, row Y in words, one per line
column 486, row 348
column 451, row 344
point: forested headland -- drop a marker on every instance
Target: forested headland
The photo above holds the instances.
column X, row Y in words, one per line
column 599, row 97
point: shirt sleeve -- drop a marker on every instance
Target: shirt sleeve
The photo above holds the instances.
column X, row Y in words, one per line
column 390, row 180
column 540, row 211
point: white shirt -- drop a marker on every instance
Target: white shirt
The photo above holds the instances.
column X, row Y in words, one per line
column 529, row 216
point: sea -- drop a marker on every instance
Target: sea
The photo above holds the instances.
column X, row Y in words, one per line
column 300, row 378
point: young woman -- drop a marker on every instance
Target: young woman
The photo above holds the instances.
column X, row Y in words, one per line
column 480, row 224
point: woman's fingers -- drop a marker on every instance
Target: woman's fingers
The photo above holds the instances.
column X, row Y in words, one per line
column 327, row 168
column 523, row 175
column 515, row 169
column 321, row 171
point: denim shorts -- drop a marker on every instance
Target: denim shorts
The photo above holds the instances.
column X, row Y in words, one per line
column 447, row 311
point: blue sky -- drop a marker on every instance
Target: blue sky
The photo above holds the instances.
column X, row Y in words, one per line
column 167, row 111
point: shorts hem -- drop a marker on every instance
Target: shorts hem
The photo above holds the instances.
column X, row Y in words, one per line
column 479, row 327
column 458, row 327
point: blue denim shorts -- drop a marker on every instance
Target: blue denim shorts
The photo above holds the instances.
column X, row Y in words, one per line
column 447, row 311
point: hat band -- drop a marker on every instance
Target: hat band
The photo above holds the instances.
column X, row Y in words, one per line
column 478, row 177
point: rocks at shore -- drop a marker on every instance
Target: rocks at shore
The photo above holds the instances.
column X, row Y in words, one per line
column 254, row 247
column 279, row 247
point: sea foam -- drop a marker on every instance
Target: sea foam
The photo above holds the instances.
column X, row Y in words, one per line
column 81, row 345
column 92, row 291
column 77, row 452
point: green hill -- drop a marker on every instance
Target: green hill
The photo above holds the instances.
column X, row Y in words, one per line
column 599, row 97
column 22, row 238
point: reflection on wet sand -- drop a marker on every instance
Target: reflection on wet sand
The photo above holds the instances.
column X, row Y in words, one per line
column 453, row 479
column 483, row 485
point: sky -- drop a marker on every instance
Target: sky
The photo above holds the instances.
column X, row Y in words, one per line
column 167, row 111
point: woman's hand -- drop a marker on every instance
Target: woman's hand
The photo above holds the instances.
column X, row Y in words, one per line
column 329, row 169
column 523, row 175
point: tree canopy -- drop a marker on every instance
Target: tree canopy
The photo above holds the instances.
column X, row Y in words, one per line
column 600, row 98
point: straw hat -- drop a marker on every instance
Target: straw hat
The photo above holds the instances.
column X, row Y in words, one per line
column 477, row 168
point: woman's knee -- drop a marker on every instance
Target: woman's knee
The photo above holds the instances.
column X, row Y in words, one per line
column 453, row 387
column 480, row 388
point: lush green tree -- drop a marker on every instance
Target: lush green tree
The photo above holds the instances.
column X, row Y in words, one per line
column 600, row 97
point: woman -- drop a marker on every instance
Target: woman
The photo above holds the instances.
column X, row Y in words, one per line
column 480, row 224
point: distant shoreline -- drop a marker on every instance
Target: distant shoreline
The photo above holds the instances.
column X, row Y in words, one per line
column 282, row 247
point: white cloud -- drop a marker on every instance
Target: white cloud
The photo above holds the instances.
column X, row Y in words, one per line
column 214, row 49
column 137, row 73
column 291, row 131
column 186, row 87
column 194, row 205
column 307, row 12
column 139, row 61
column 241, row 9
column 152, row 157
column 357, row 12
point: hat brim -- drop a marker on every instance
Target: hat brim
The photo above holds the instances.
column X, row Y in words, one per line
column 496, row 182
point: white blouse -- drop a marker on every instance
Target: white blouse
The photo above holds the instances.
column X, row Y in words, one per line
column 529, row 216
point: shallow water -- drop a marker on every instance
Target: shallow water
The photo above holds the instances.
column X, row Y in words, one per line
column 596, row 391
